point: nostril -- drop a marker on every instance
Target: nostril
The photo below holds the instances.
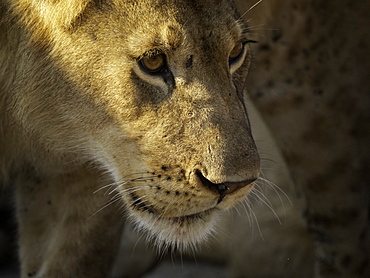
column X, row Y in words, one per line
column 213, row 186
column 223, row 188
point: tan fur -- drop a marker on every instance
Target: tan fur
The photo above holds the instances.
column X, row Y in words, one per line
column 87, row 135
column 86, row 131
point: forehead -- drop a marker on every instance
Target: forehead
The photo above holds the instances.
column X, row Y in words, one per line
column 169, row 24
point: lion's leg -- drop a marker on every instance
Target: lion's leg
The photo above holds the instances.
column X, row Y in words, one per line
column 66, row 228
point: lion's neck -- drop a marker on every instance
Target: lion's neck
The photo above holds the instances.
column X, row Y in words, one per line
column 10, row 146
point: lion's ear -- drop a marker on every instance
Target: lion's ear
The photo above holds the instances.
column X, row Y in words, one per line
column 47, row 17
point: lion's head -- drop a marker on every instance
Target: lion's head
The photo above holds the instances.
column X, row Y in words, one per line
column 151, row 93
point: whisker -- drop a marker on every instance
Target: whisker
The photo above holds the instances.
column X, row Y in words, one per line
column 276, row 188
column 114, row 199
column 257, row 191
column 139, row 173
column 248, row 209
column 135, row 189
column 113, row 190
column 251, row 8
column 237, row 210
column 136, row 243
column 121, row 183
column 252, row 216
column 254, row 196
column 257, row 223
column 142, row 200
column 103, row 187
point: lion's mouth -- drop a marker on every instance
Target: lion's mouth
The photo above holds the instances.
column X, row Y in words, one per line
column 182, row 232
column 140, row 205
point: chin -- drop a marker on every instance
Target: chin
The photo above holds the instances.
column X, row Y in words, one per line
column 181, row 233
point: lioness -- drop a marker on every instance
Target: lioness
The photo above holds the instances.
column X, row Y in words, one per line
column 121, row 108
column 134, row 109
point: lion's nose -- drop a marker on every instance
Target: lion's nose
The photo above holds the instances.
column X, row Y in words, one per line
column 225, row 188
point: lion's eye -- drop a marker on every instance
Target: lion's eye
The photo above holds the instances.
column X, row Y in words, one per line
column 153, row 64
column 236, row 53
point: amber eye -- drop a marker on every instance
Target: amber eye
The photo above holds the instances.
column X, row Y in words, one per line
column 236, row 53
column 153, row 64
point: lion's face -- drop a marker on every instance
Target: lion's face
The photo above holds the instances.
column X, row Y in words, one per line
column 154, row 95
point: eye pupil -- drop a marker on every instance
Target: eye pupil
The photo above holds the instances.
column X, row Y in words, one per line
column 153, row 64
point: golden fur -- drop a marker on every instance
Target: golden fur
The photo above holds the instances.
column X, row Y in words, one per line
column 87, row 131
column 114, row 108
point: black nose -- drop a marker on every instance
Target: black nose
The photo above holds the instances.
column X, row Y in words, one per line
column 223, row 188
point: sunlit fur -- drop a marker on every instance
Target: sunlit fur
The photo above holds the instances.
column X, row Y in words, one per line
column 80, row 115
